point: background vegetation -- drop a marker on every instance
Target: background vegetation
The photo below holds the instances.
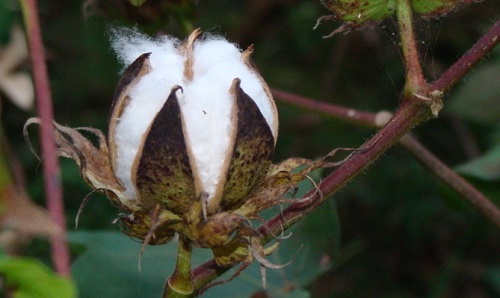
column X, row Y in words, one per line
column 394, row 231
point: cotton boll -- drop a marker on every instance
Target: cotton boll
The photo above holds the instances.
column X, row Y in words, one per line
column 206, row 102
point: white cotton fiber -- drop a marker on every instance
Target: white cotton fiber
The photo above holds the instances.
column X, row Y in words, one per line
column 148, row 96
column 206, row 103
column 225, row 55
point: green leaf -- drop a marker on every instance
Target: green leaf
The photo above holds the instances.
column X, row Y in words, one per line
column 30, row 278
column 7, row 17
column 493, row 278
column 109, row 266
column 477, row 98
column 485, row 167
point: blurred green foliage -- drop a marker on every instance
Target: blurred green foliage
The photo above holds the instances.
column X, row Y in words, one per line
column 394, row 231
column 28, row 278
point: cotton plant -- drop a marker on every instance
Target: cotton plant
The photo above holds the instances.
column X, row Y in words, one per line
column 187, row 158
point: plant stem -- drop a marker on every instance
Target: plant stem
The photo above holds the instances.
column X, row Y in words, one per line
column 475, row 54
column 180, row 284
column 412, row 145
column 343, row 113
column 408, row 115
column 413, row 111
column 414, row 77
column 452, row 179
column 52, row 181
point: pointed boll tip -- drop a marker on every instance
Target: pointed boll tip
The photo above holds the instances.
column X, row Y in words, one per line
column 176, row 88
column 189, row 43
column 235, row 85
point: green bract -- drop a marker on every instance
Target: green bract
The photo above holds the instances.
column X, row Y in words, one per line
column 358, row 12
column 436, row 8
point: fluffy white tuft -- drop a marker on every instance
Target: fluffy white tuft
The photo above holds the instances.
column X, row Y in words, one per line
column 206, row 103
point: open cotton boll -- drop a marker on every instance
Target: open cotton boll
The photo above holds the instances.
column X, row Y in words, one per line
column 206, row 102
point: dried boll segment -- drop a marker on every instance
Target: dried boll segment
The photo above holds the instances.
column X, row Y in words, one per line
column 130, row 77
column 251, row 154
column 204, row 147
column 162, row 171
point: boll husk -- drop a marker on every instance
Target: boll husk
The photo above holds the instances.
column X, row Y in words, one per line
column 191, row 132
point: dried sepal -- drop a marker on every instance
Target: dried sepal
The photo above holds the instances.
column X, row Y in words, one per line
column 95, row 165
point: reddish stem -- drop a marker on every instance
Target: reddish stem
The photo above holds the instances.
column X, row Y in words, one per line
column 52, row 183
column 424, row 156
column 412, row 112
column 452, row 179
column 477, row 52
column 408, row 115
column 414, row 77
column 343, row 113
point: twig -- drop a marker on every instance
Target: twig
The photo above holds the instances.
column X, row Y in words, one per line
column 452, row 179
column 339, row 112
column 422, row 154
column 408, row 115
column 52, row 183
column 414, row 77
column 477, row 52
column 411, row 113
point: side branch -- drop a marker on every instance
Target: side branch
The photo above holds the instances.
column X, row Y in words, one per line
column 422, row 154
column 477, row 52
column 414, row 77
column 346, row 114
column 452, row 179
column 408, row 115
